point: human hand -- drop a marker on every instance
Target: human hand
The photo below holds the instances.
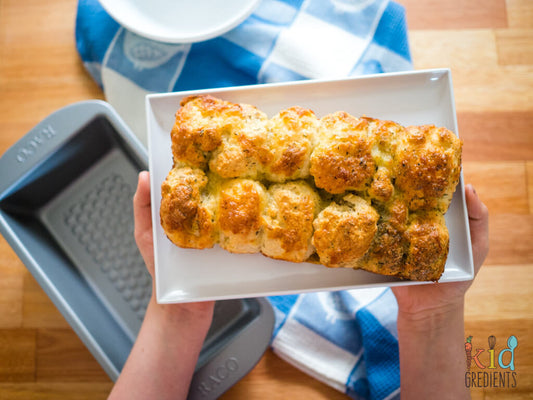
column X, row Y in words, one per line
column 144, row 238
column 163, row 358
column 431, row 324
column 417, row 301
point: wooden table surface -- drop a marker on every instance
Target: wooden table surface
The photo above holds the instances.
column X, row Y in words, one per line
column 489, row 47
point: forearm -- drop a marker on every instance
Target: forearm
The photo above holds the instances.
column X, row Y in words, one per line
column 163, row 358
column 432, row 355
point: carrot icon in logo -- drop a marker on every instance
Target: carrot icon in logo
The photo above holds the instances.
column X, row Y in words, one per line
column 487, row 374
column 468, row 350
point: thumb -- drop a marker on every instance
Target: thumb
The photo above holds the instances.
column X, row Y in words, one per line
column 478, row 218
column 143, row 219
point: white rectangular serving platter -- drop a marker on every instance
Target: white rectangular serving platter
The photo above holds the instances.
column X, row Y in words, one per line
column 409, row 98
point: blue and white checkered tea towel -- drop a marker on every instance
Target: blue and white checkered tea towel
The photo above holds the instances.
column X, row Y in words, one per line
column 346, row 339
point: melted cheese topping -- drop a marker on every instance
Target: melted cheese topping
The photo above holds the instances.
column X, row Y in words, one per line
column 352, row 192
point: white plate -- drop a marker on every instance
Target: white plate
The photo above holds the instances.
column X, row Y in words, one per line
column 184, row 275
column 179, row 21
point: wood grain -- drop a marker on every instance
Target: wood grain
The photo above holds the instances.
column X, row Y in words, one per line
column 510, row 237
column 500, row 304
column 488, row 46
column 17, row 355
column 455, row 14
column 493, row 293
column 523, row 362
column 512, row 45
column 504, row 88
column 497, row 135
column 55, row 390
column 11, row 282
column 453, row 49
column 501, row 185
column 62, row 357
column 517, row 394
column 529, row 173
column 38, row 310
column 519, row 14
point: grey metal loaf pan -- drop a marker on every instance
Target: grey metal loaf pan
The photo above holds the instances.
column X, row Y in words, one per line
column 65, row 208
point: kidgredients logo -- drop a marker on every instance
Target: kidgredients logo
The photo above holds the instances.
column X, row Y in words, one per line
column 489, row 368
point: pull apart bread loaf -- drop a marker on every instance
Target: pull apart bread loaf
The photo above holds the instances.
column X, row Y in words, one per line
column 340, row 191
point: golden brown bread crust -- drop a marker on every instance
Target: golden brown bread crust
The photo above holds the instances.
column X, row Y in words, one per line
column 342, row 159
column 427, row 167
column 292, row 136
column 288, row 221
column 353, row 192
column 428, row 242
column 344, row 232
column 240, row 210
column 187, row 216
